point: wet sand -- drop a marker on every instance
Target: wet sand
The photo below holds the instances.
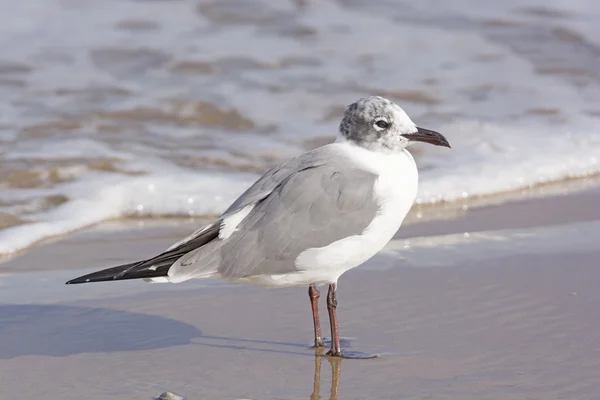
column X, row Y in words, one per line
column 508, row 311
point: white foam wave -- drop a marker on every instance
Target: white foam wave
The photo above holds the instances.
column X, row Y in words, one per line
column 489, row 159
column 101, row 197
column 499, row 160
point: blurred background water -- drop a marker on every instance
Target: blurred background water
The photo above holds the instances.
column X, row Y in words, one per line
column 158, row 108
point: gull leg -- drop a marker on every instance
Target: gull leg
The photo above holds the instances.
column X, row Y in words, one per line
column 336, row 350
column 314, row 294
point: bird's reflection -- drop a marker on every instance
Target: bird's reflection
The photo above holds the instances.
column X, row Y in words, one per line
column 336, row 367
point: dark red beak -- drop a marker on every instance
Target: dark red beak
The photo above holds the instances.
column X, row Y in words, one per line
column 427, row 136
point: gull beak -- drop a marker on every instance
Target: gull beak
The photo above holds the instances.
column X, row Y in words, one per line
column 427, row 136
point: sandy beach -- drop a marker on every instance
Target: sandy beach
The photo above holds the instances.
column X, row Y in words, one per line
column 124, row 123
column 505, row 311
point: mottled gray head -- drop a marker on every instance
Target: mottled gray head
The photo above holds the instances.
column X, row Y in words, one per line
column 378, row 124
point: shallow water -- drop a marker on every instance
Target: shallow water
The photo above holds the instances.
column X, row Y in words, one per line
column 496, row 315
column 160, row 108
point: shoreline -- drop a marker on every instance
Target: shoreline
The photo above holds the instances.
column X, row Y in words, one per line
column 425, row 216
column 529, row 211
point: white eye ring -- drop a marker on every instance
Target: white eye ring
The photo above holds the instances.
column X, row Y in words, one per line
column 381, row 124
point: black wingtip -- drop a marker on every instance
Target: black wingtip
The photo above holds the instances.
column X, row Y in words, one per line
column 76, row 281
column 100, row 276
column 122, row 272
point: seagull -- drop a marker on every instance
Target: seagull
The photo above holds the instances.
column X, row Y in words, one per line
column 309, row 219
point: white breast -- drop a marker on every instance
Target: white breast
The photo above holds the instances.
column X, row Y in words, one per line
column 395, row 191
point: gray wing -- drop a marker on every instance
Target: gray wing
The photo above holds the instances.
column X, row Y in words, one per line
column 264, row 186
column 309, row 201
column 310, row 208
column 276, row 175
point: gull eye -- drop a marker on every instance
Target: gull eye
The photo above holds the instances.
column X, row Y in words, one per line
column 382, row 124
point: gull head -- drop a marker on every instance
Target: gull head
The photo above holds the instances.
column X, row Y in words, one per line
column 379, row 124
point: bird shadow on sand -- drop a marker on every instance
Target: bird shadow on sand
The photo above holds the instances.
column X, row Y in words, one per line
column 63, row 330
column 57, row 330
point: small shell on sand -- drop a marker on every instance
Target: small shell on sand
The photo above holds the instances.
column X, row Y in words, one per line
column 169, row 396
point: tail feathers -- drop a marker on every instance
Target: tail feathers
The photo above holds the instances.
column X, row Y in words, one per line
column 156, row 267
column 120, row 273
